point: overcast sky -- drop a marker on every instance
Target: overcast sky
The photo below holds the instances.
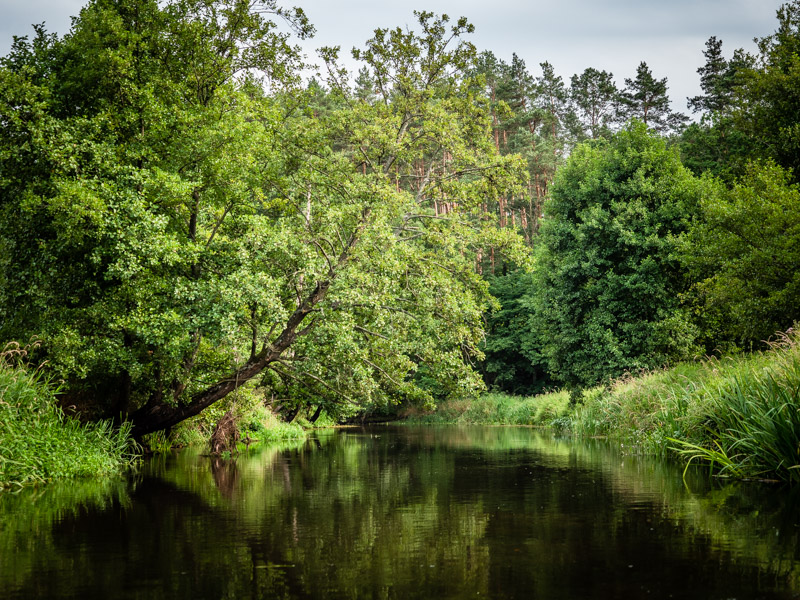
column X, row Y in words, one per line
column 614, row 35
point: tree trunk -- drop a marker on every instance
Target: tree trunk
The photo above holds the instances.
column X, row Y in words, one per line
column 157, row 414
column 316, row 414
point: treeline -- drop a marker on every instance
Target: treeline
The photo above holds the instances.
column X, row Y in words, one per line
column 658, row 241
column 181, row 215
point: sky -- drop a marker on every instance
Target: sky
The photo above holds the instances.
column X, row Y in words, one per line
column 611, row 35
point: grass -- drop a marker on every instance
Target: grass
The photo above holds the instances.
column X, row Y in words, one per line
column 739, row 415
column 499, row 409
column 38, row 443
column 261, row 424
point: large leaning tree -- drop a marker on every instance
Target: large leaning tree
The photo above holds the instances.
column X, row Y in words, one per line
column 175, row 221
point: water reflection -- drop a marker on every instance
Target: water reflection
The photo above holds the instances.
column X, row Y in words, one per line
column 404, row 513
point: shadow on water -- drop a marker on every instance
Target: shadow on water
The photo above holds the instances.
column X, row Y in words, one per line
column 404, row 513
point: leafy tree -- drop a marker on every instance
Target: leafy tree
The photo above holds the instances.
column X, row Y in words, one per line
column 177, row 232
column 513, row 362
column 769, row 103
column 744, row 252
column 607, row 281
column 645, row 98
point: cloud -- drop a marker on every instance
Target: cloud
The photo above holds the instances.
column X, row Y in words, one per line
column 614, row 35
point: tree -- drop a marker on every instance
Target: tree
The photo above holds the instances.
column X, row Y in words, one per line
column 607, row 281
column 743, row 253
column 594, row 97
column 717, row 79
column 645, row 98
column 365, row 86
column 716, row 145
column 768, row 103
column 185, row 233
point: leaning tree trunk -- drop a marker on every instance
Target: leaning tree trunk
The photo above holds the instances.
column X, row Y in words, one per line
column 316, row 414
column 157, row 414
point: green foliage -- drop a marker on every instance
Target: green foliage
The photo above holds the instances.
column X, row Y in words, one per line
column 500, row 409
column 715, row 146
column 512, row 360
column 605, row 296
column 741, row 414
column 38, row 443
column 743, row 252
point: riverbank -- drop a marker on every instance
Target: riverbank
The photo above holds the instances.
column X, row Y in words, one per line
column 38, row 443
column 739, row 414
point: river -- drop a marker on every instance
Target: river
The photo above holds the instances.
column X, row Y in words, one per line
column 404, row 512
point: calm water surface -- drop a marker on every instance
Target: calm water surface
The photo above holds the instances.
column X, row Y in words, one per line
column 404, row 513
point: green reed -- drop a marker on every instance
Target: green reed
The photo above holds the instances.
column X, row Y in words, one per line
column 39, row 443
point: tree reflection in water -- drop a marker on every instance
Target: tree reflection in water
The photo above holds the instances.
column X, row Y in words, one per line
column 406, row 513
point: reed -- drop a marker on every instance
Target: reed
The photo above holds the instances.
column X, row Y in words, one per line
column 499, row 409
column 39, row 443
column 740, row 415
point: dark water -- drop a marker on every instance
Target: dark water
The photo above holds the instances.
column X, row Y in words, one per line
column 404, row 513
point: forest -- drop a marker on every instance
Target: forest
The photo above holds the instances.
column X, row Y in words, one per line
column 187, row 217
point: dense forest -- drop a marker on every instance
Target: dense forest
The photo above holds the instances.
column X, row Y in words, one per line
column 183, row 213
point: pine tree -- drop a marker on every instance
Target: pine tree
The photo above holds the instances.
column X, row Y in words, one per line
column 645, row 98
column 718, row 79
column 594, row 98
column 365, row 86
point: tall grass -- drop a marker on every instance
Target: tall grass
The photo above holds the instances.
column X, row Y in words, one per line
column 754, row 417
column 499, row 409
column 261, row 424
column 38, row 443
column 741, row 415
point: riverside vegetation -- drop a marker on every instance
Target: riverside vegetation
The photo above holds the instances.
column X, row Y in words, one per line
column 194, row 228
column 738, row 413
column 40, row 443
